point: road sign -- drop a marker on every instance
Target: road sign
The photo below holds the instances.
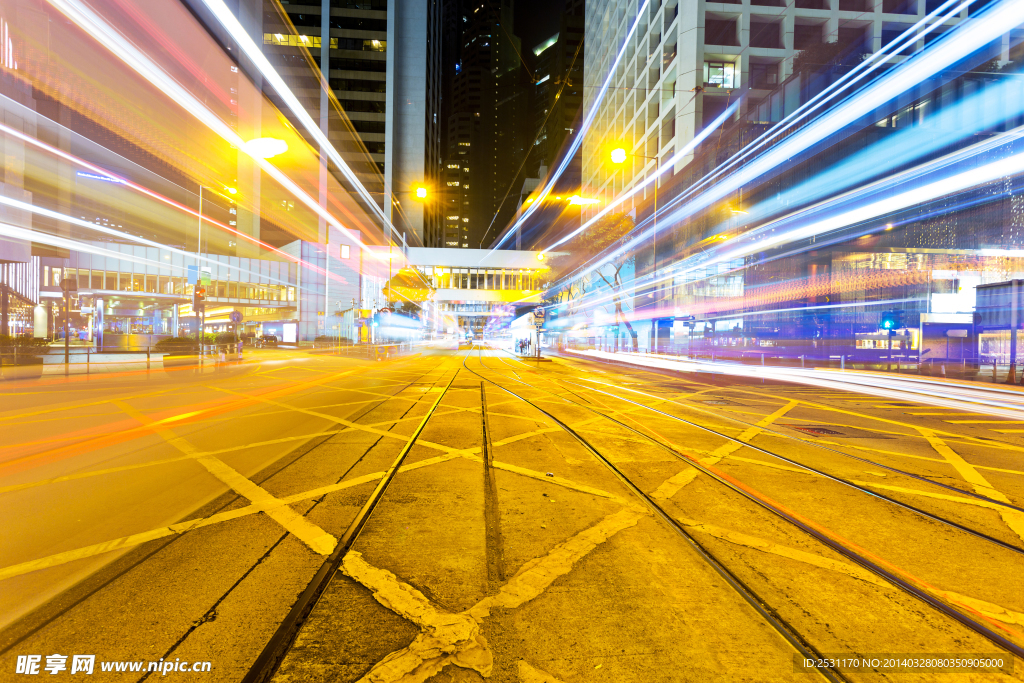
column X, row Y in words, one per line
column 193, row 274
column 235, row 317
column 204, row 276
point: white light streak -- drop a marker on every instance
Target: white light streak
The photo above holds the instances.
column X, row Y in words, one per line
column 584, row 129
column 95, row 26
column 255, row 53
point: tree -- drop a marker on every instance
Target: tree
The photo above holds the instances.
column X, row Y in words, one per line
column 612, row 230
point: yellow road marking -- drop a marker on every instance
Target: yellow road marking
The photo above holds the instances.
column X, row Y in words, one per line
column 985, row 422
column 347, row 423
column 307, row 532
column 946, row 414
column 1012, row 518
column 671, row 486
column 165, row 461
column 748, row 434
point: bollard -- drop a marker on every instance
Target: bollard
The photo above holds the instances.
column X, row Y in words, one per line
column 87, row 352
column 993, row 371
column 842, row 362
column 147, row 356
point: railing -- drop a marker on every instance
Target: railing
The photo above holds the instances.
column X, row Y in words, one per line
column 981, row 369
column 366, row 351
column 18, row 363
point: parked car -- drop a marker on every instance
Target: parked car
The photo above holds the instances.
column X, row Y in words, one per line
column 266, row 340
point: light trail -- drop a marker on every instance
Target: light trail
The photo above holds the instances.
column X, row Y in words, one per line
column 20, row 233
column 1006, row 403
column 39, row 144
column 943, row 53
column 861, row 71
column 578, row 140
column 254, row 53
column 687, row 149
column 874, row 62
column 23, row 206
column 759, row 240
column 110, row 39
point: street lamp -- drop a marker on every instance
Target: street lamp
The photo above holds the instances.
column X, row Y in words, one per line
column 618, row 156
column 265, row 148
column 421, row 192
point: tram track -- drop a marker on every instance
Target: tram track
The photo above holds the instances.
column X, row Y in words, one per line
column 804, row 526
column 761, row 607
column 810, row 443
column 281, row 641
column 812, row 470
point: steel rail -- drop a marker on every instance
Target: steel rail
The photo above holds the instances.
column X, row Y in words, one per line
column 819, row 446
column 787, row 632
column 280, row 643
column 820, row 473
column 907, row 587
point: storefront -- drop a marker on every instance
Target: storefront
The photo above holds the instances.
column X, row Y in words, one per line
column 128, row 321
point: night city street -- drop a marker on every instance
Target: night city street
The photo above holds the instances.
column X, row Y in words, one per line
column 565, row 341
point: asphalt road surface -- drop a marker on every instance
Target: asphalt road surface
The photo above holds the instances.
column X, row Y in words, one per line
column 460, row 515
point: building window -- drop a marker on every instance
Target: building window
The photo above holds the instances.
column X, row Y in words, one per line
column 719, row 75
column 344, row 251
column 295, row 40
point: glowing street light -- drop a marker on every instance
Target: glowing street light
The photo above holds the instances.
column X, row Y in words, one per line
column 618, row 156
column 540, row 256
column 265, row 148
column 577, row 200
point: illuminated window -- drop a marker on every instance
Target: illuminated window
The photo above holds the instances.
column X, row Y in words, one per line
column 719, row 74
column 344, row 251
column 295, row 40
column 375, row 45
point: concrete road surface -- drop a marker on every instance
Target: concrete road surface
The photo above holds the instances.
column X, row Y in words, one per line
column 464, row 515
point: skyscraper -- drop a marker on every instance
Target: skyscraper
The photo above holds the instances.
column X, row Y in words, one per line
column 383, row 66
column 486, row 109
column 689, row 59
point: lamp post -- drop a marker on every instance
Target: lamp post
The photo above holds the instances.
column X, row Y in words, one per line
column 619, row 156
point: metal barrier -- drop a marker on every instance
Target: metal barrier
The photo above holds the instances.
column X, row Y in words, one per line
column 16, row 363
column 366, row 351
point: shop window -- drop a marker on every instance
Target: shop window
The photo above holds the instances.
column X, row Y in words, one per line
column 56, row 277
column 151, row 284
column 138, row 283
column 111, row 281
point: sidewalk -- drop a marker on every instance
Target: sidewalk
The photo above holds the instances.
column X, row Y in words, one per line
column 999, row 400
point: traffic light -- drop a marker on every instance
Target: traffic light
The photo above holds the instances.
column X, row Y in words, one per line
column 891, row 320
column 199, row 299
